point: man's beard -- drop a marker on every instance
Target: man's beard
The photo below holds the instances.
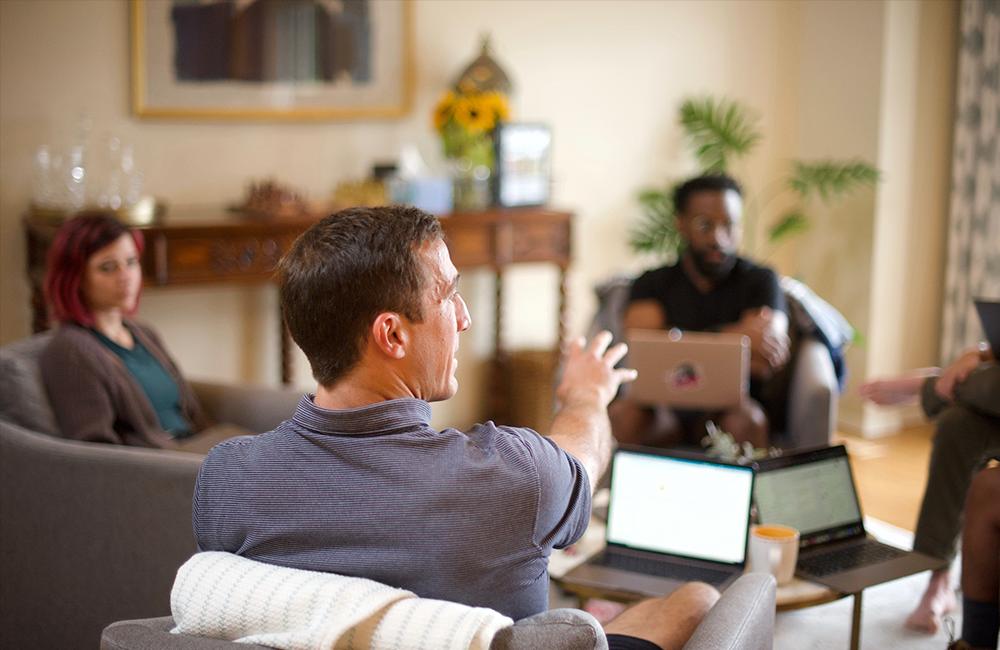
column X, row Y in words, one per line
column 713, row 270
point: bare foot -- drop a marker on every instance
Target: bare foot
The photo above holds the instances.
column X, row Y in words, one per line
column 896, row 390
column 938, row 600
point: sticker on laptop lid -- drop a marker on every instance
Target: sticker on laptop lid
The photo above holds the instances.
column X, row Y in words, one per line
column 685, row 376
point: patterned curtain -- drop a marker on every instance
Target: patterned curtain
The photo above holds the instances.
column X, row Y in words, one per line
column 973, row 266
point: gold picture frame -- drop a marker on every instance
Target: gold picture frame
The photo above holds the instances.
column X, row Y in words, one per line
column 209, row 61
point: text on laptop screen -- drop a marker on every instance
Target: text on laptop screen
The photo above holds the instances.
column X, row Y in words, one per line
column 671, row 505
column 810, row 497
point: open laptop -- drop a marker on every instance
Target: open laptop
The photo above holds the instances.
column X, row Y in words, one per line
column 672, row 518
column 814, row 491
column 989, row 316
column 690, row 370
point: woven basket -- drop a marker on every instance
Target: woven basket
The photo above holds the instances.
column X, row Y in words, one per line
column 530, row 380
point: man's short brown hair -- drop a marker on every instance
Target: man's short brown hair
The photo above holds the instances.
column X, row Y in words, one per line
column 346, row 270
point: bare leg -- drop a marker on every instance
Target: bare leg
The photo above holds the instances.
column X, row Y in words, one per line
column 938, row 599
column 981, row 551
column 981, row 538
column 747, row 423
column 668, row 622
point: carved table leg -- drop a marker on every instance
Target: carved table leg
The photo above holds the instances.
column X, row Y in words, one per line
column 498, row 382
column 286, row 351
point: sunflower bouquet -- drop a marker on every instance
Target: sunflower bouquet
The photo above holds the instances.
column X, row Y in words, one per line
column 465, row 121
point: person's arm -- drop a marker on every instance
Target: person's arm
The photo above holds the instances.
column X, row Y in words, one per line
column 644, row 309
column 765, row 321
column 981, row 389
column 645, row 315
column 79, row 398
column 768, row 333
column 959, row 370
column 590, row 380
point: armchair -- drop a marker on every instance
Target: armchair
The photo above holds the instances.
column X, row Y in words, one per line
column 92, row 533
column 743, row 619
column 813, row 390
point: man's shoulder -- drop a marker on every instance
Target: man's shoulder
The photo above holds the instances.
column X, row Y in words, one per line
column 656, row 280
column 749, row 266
column 516, row 440
column 235, row 454
column 747, row 270
column 662, row 272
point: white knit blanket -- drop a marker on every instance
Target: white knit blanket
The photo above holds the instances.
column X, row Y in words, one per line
column 225, row 596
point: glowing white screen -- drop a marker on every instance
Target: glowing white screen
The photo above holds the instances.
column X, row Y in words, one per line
column 679, row 506
column 810, row 497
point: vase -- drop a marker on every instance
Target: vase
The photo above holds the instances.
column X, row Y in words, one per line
column 471, row 185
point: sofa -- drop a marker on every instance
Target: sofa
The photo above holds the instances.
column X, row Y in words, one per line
column 93, row 533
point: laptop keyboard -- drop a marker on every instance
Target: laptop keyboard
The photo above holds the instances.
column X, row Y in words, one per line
column 848, row 557
column 662, row 569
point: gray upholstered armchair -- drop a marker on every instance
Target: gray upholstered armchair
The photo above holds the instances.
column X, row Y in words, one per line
column 812, row 391
column 743, row 619
column 93, row 533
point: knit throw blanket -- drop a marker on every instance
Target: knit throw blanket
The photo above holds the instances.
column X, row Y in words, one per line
column 225, row 596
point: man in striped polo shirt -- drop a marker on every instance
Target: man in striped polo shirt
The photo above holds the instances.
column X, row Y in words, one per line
column 358, row 483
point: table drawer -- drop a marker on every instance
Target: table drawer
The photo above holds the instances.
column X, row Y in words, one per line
column 182, row 260
column 540, row 242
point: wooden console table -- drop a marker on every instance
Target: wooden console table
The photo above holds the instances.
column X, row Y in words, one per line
column 199, row 246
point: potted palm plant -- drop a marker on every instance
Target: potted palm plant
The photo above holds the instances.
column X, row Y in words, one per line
column 719, row 132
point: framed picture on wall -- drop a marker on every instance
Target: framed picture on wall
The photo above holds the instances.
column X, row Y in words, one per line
column 524, row 164
column 271, row 59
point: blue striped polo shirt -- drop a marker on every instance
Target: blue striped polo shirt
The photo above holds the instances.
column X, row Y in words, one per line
column 375, row 492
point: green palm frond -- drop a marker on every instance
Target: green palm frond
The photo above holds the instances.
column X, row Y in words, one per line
column 830, row 179
column 790, row 223
column 656, row 231
column 719, row 130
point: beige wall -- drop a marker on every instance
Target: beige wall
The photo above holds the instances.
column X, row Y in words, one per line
column 879, row 256
column 608, row 76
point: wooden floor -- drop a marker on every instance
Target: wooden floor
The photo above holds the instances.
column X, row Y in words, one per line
column 891, row 473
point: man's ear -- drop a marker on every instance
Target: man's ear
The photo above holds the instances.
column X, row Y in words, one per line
column 389, row 334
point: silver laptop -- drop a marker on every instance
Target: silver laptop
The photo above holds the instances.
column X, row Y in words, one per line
column 989, row 316
column 690, row 370
column 672, row 518
column 814, row 491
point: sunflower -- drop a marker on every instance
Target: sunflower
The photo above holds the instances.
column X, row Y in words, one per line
column 443, row 110
column 474, row 114
column 497, row 103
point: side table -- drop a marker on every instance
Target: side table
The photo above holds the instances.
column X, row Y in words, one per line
column 197, row 246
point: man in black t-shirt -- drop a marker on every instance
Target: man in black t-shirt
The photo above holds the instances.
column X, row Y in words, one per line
column 709, row 289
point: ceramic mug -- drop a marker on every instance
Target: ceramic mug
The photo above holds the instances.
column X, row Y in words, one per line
column 774, row 549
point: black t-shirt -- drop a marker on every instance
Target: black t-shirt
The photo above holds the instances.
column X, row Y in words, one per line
column 747, row 286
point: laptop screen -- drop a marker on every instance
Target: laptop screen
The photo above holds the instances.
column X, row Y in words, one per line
column 815, row 496
column 989, row 316
column 697, row 509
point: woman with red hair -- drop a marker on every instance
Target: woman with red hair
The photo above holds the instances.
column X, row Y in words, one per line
column 108, row 378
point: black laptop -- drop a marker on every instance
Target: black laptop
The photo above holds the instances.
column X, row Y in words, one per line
column 989, row 316
column 672, row 518
column 813, row 491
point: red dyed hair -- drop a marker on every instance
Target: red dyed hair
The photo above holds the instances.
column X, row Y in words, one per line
column 75, row 242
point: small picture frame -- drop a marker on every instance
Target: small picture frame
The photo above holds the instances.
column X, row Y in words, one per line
column 523, row 164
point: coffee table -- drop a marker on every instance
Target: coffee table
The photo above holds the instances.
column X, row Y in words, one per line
column 798, row 594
